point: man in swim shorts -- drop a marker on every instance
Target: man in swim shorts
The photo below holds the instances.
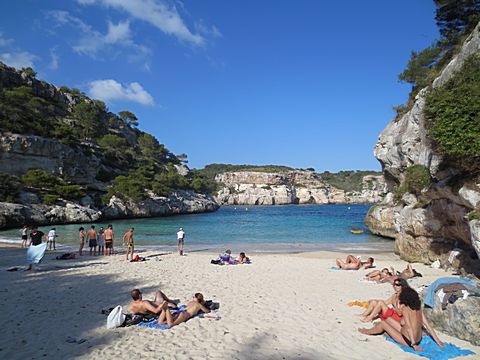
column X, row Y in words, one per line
column 109, row 239
column 181, row 242
column 92, row 240
column 128, row 240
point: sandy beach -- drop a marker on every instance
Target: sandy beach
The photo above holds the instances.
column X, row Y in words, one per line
column 283, row 306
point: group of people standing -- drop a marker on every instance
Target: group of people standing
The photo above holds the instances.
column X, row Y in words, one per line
column 104, row 240
column 36, row 237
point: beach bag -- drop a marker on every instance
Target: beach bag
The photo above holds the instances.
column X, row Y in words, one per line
column 116, row 318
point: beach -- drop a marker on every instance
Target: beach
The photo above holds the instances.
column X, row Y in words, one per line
column 282, row 306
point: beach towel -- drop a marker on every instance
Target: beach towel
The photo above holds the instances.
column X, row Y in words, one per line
column 363, row 304
column 434, row 352
column 35, row 253
column 429, row 299
column 338, row 268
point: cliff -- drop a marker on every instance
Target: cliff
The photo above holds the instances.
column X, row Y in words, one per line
column 428, row 223
column 65, row 158
column 291, row 187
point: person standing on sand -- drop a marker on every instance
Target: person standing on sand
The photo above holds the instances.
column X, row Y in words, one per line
column 109, row 239
column 52, row 234
column 92, row 240
column 128, row 240
column 101, row 241
column 24, row 235
column 181, row 242
column 81, row 234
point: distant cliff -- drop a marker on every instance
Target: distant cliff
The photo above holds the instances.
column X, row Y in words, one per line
column 292, row 187
column 432, row 168
column 66, row 158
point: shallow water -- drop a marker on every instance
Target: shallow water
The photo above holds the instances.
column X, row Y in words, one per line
column 260, row 228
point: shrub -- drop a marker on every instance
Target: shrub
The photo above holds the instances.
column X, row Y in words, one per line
column 50, row 199
column 473, row 215
column 39, row 179
column 70, row 192
column 452, row 112
column 417, row 178
column 127, row 188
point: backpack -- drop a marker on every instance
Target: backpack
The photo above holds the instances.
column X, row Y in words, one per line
column 116, row 318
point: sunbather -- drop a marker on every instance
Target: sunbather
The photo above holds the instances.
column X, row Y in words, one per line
column 408, row 331
column 386, row 308
column 193, row 308
column 146, row 307
column 243, row 259
column 354, row 263
column 380, row 276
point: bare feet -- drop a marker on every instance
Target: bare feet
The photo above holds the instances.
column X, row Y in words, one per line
column 364, row 331
column 417, row 348
column 366, row 319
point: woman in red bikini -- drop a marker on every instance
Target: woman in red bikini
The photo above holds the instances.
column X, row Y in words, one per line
column 382, row 309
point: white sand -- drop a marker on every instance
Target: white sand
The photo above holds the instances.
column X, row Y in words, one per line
column 280, row 307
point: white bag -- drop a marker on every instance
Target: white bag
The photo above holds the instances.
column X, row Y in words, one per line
column 436, row 264
column 116, row 318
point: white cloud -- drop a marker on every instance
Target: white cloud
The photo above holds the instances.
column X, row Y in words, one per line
column 93, row 42
column 111, row 90
column 156, row 12
column 18, row 59
column 4, row 41
column 53, row 59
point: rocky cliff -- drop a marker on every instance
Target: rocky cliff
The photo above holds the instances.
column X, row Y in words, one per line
column 292, row 187
column 427, row 225
column 81, row 150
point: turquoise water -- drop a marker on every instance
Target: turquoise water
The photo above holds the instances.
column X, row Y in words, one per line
column 259, row 228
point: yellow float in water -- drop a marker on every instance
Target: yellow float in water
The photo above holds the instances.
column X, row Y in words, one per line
column 356, row 231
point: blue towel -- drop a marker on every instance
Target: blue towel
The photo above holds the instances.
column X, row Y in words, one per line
column 434, row 352
column 153, row 325
column 35, row 253
column 429, row 299
column 339, row 268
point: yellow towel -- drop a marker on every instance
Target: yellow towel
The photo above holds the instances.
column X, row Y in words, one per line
column 363, row 304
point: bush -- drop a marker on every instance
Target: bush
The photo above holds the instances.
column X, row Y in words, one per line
column 127, row 188
column 39, row 179
column 452, row 112
column 398, row 192
column 473, row 215
column 50, row 199
column 417, row 178
column 70, row 192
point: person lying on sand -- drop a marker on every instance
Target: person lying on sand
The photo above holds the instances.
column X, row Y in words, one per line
column 146, row 307
column 386, row 308
column 354, row 263
column 408, row 331
column 196, row 305
column 381, row 276
column 242, row 259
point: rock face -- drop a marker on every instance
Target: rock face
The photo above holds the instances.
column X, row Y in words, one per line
column 426, row 227
column 180, row 202
column 461, row 319
column 293, row 187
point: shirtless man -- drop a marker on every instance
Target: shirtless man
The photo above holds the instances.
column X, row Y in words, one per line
column 92, row 240
column 128, row 240
column 353, row 263
column 193, row 308
column 109, row 238
column 146, row 307
column 408, row 331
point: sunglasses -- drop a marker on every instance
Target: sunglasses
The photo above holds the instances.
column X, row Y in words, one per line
column 397, row 284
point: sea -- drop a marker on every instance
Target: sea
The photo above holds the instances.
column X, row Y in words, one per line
column 275, row 229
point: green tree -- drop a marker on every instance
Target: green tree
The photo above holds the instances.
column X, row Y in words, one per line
column 456, row 16
column 28, row 71
column 129, row 187
column 90, row 117
column 9, row 186
column 419, row 66
column 128, row 117
column 39, row 179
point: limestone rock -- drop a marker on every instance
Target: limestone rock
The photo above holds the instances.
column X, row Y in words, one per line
column 292, row 187
column 461, row 319
column 428, row 225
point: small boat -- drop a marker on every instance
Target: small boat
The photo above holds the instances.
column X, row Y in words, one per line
column 356, row 231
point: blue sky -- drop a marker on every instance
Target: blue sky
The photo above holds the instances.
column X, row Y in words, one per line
column 298, row 83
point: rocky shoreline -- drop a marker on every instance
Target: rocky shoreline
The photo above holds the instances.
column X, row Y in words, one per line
column 180, row 202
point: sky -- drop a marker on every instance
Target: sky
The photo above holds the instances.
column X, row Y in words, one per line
column 301, row 83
